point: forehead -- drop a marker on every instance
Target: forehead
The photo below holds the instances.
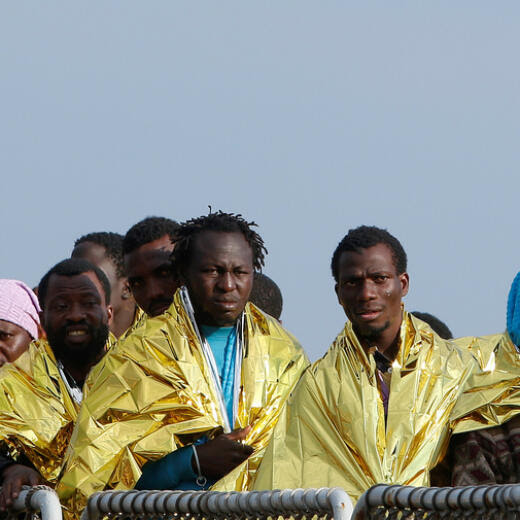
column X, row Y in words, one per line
column 90, row 251
column 96, row 254
column 148, row 257
column 70, row 286
column 11, row 328
column 219, row 245
column 375, row 258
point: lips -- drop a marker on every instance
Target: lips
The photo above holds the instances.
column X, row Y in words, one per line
column 368, row 314
column 77, row 333
column 226, row 304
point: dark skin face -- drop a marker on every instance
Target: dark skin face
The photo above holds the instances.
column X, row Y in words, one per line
column 370, row 291
column 121, row 299
column 151, row 276
column 75, row 317
column 219, row 277
column 14, row 341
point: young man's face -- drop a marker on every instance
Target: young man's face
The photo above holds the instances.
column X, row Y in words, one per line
column 370, row 290
column 151, row 276
column 75, row 317
column 219, row 277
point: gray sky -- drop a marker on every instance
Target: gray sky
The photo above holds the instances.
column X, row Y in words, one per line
column 308, row 117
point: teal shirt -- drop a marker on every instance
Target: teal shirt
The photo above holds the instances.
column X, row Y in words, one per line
column 174, row 471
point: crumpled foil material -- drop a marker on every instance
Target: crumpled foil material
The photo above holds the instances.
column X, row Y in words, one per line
column 332, row 431
column 151, row 394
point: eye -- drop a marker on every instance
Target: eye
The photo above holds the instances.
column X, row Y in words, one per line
column 164, row 273
column 135, row 284
column 380, row 278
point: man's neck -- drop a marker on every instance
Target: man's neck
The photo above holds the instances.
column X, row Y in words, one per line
column 80, row 372
column 387, row 343
column 123, row 320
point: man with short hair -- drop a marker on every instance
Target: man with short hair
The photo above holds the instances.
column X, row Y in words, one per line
column 40, row 393
column 105, row 250
column 19, row 319
column 266, row 295
column 437, row 325
column 147, row 247
column 191, row 395
column 379, row 407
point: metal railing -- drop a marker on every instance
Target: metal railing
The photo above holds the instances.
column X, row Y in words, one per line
column 36, row 502
column 429, row 503
column 215, row 505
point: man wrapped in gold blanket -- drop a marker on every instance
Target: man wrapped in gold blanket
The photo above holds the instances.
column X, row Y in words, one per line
column 380, row 406
column 41, row 392
column 191, row 395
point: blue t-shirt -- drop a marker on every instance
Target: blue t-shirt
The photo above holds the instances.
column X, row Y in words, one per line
column 174, row 471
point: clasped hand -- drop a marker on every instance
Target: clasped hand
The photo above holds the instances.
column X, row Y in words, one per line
column 223, row 453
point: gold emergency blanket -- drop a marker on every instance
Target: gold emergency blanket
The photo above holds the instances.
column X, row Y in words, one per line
column 332, row 431
column 37, row 413
column 152, row 394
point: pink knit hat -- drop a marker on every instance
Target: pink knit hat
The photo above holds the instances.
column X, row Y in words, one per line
column 19, row 305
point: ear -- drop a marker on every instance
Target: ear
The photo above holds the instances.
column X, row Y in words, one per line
column 126, row 293
column 404, row 279
column 41, row 332
column 110, row 314
column 336, row 290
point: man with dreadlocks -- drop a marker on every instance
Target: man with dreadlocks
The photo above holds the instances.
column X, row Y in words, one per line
column 105, row 250
column 192, row 395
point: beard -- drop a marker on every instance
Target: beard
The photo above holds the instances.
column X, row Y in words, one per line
column 373, row 333
column 78, row 355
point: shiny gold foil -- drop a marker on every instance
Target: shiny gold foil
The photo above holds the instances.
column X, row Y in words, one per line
column 332, row 431
column 36, row 412
column 151, row 394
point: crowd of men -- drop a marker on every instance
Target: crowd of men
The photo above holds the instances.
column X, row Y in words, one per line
column 158, row 360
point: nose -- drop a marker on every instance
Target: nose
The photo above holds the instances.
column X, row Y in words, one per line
column 154, row 289
column 76, row 312
column 367, row 290
column 226, row 282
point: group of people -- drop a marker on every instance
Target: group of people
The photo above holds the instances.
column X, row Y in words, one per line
column 157, row 360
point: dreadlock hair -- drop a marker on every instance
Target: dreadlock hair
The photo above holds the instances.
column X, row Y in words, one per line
column 266, row 295
column 219, row 221
column 148, row 230
column 113, row 244
column 364, row 237
column 73, row 267
column 438, row 326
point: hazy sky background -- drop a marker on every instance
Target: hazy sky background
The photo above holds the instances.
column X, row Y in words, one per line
column 308, row 117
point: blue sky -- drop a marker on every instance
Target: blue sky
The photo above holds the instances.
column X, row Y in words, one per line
column 308, row 117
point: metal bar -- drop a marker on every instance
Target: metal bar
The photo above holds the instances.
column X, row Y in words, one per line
column 287, row 503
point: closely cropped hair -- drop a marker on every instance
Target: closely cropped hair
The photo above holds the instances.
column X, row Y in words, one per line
column 435, row 323
column 266, row 295
column 364, row 237
column 148, row 230
column 73, row 267
column 219, row 221
column 113, row 244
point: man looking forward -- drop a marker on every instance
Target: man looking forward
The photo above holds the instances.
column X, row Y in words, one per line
column 40, row 393
column 380, row 405
column 147, row 247
column 198, row 388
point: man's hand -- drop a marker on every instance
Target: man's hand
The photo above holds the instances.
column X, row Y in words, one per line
column 222, row 454
column 14, row 477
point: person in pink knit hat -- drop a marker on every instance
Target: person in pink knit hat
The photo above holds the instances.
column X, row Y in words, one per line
column 19, row 319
